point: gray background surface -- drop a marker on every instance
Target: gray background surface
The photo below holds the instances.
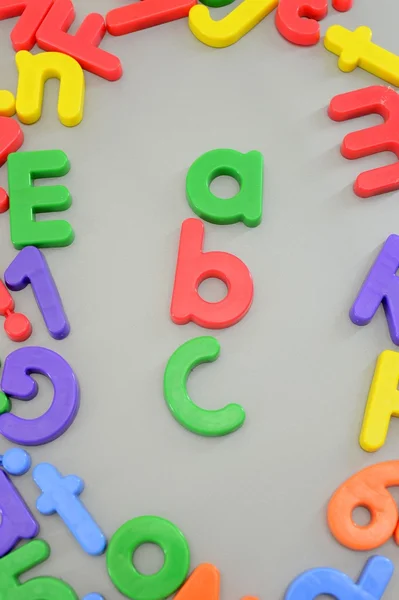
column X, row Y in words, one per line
column 252, row 503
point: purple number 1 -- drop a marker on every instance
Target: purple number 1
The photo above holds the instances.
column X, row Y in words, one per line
column 30, row 266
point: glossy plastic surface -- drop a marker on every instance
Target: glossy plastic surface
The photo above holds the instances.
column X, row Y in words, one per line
column 146, row 13
column 31, row 13
column 297, row 20
column 16, row 382
column 125, row 541
column 30, row 267
column 246, row 169
column 16, row 325
column 17, row 521
column 193, row 267
column 355, row 49
column 233, row 27
column 33, row 72
column 382, row 402
column 16, row 461
column 39, row 588
column 381, row 286
column 53, row 35
column 384, row 137
column 371, row 584
column 26, row 199
column 367, row 488
column 198, row 420
column 60, row 495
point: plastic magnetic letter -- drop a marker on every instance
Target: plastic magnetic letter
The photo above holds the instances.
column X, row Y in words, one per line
column 355, row 49
column 193, row 267
column 17, row 522
column 383, row 101
column 125, row 541
column 367, row 488
column 198, row 420
column 30, row 266
column 381, row 287
column 16, row 325
column 342, row 5
column 382, row 402
column 26, row 199
column 292, row 25
column 60, row 495
column 83, row 46
column 371, row 584
column 34, row 71
column 93, row 596
column 16, row 382
column 31, row 13
column 246, row 169
column 40, row 588
column 204, row 582
column 11, row 138
column 233, row 27
column 146, row 13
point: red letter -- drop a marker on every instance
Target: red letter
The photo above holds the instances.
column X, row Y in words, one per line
column 383, row 101
column 298, row 30
column 146, row 13
column 342, row 5
column 32, row 13
column 52, row 35
column 193, row 267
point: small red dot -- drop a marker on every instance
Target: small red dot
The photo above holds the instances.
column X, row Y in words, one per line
column 17, row 327
column 4, row 201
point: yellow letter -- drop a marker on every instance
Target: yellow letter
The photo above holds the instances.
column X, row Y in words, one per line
column 355, row 49
column 34, row 70
column 7, row 103
column 382, row 402
column 234, row 26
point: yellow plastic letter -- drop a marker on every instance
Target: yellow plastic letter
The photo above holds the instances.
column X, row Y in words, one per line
column 355, row 49
column 382, row 402
column 34, row 71
column 231, row 28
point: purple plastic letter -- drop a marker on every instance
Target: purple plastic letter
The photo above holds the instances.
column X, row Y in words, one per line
column 17, row 522
column 30, row 266
column 381, row 286
column 17, row 383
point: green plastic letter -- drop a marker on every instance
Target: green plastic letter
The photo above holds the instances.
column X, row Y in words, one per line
column 40, row 588
column 198, row 420
column 124, row 543
column 246, row 169
column 27, row 199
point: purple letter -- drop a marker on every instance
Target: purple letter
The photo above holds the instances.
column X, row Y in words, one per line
column 29, row 266
column 17, row 522
column 381, row 286
column 16, row 382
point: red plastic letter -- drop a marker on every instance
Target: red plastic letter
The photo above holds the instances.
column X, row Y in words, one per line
column 193, row 267
column 146, row 13
column 32, row 13
column 380, row 138
column 83, row 46
column 342, row 5
column 295, row 29
column 11, row 139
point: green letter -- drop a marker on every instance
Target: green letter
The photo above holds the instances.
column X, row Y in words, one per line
column 148, row 530
column 27, row 199
column 40, row 588
column 246, row 169
column 192, row 417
